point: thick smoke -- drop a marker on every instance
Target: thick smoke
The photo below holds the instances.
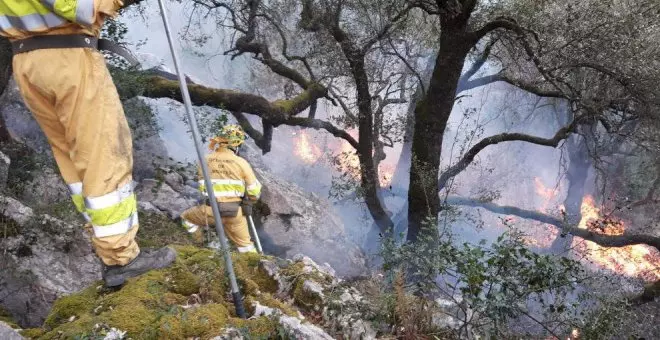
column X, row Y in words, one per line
column 517, row 174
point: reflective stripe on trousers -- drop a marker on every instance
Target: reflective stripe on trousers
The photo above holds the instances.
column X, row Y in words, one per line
column 248, row 249
column 78, row 200
column 111, row 214
column 190, row 227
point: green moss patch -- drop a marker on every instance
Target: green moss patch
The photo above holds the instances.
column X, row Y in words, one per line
column 190, row 299
column 158, row 230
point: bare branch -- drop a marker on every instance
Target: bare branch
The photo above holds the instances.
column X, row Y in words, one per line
column 285, row 46
column 410, row 68
column 455, row 169
column 500, row 23
column 385, row 30
column 485, row 80
column 477, row 65
column 343, row 105
column 262, row 140
column 216, row 4
column 319, row 124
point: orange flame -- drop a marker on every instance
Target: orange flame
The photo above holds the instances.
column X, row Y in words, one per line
column 548, row 194
column 386, row 173
column 637, row 260
column 308, row 152
column 544, row 238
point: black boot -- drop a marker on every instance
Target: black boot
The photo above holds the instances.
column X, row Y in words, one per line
column 147, row 260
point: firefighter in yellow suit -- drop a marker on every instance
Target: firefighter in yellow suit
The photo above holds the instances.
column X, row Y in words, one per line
column 232, row 179
column 65, row 83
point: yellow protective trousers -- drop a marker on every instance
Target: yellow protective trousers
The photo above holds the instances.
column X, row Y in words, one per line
column 72, row 97
column 236, row 227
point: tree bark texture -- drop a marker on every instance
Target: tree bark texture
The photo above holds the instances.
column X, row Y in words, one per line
column 431, row 116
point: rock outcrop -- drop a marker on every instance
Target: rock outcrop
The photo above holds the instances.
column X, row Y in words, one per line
column 42, row 258
column 190, row 300
column 292, row 222
column 288, row 220
column 8, row 333
column 4, row 170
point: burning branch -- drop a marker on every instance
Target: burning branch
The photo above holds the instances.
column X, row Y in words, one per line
column 617, row 241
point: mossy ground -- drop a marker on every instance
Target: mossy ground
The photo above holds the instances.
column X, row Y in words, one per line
column 158, row 230
column 190, row 299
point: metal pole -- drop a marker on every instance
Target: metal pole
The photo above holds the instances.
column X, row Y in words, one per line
column 256, row 236
column 236, row 293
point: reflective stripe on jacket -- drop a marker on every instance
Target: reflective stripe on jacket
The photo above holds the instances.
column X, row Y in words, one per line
column 24, row 18
column 232, row 176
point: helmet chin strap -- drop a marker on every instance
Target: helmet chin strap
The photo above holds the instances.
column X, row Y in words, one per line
column 236, row 149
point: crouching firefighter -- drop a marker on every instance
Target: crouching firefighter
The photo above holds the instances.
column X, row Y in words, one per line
column 233, row 182
column 65, row 83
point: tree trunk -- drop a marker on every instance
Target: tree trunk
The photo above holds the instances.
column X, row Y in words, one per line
column 369, row 180
column 401, row 177
column 576, row 175
column 431, row 116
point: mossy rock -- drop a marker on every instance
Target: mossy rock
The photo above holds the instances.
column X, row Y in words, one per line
column 301, row 297
column 189, row 299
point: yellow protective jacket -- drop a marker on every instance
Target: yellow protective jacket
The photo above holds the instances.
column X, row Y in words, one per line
column 21, row 19
column 232, row 177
